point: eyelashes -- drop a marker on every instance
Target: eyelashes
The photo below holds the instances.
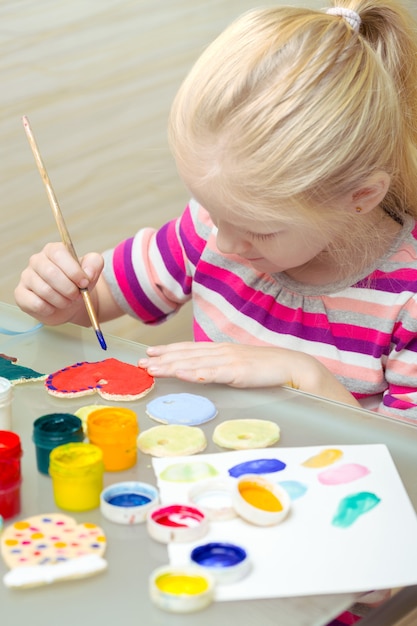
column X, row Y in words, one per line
column 261, row 236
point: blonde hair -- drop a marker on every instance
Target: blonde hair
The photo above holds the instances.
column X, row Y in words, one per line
column 291, row 104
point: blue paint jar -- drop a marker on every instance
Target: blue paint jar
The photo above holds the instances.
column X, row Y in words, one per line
column 50, row 431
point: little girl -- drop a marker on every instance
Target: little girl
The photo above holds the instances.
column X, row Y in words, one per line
column 295, row 133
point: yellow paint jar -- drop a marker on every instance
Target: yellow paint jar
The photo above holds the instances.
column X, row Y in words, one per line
column 77, row 471
column 114, row 430
column 181, row 589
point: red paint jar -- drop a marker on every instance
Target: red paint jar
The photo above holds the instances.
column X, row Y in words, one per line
column 10, row 474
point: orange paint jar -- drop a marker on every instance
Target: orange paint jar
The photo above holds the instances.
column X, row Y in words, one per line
column 77, row 471
column 114, row 430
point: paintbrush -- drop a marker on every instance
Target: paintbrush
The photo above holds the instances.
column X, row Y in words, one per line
column 65, row 236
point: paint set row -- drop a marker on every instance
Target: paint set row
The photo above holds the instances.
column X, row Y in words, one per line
column 191, row 587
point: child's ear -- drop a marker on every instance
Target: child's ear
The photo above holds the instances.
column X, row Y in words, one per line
column 371, row 194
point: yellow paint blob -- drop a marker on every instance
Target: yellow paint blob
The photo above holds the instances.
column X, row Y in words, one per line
column 259, row 497
column 324, row 458
column 182, row 584
column 11, row 542
column 37, row 536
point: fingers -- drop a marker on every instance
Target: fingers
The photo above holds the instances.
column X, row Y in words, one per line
column 202, row 362
column 50, row 285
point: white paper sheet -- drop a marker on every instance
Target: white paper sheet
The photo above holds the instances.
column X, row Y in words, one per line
column 307, row 554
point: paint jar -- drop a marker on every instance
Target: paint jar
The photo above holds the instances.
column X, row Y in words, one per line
column 10, row 474
column 77, row 471
column 259, row 501
column 114, row 430
column 6, row 397
column 181, row 589
column 50, row 431
column 128, row 502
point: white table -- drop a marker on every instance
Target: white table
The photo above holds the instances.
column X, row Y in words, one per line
column 120, row 595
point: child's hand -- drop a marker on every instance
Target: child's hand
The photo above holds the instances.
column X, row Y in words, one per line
column 49, row 288
column 244, row 366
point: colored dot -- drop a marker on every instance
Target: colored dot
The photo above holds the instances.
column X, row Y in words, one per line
column 21, row 525
column 11, row 542
column 60, row 544
column 37, row 536
column 89, row 525
column 36, row 553
column 102, row 538
column 41, row 546
column 95, row 545
column 26, row 543
column 46, row 520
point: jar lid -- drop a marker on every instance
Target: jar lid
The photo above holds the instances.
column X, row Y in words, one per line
column 10, row 446
column 214, row 496
column 110, row 422
column 75, row 457
column 226, row 562
column 6, row 388
column 128, row 502
column 177, row 522
column 56, row 427
column 181, row 589
column 260, row 501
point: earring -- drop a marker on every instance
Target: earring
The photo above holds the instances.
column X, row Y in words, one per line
column 358, row 209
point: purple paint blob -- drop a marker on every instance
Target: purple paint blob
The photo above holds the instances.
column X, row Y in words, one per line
column 257, row 466
column 342, row 474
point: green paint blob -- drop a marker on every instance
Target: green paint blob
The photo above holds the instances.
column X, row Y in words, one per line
column 188, row 472
column 353, row 506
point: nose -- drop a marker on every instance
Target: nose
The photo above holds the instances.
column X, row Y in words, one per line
column 230, row 241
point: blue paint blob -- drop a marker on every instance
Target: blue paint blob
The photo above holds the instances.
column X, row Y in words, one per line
column 353, row 506
column 257, row 466
column 218, row 555
column 294, row 488
column 129, row 499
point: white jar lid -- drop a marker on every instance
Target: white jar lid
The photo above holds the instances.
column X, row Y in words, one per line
column 214, row 496
column 181, row 589
column 226, row 562
column 177, row 522
column 260, row 501
column 128, row 502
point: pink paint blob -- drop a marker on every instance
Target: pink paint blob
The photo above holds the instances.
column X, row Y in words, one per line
column 346, row 473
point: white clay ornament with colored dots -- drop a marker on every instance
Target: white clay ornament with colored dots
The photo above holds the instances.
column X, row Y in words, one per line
column 47, row 548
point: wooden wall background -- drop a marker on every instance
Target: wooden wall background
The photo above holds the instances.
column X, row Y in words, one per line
column 96, row 79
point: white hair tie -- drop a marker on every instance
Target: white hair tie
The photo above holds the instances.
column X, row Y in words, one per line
column 349, row 15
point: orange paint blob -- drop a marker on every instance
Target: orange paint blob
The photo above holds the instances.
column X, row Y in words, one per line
column 260, row 497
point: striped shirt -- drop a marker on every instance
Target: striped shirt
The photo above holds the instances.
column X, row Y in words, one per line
column 364, row 332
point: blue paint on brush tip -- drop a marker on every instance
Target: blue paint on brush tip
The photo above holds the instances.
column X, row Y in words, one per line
column 101, row 339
